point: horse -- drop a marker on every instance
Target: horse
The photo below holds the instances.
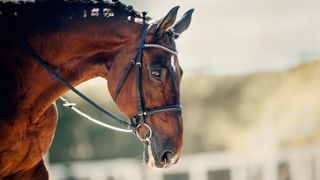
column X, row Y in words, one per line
column 82, row 40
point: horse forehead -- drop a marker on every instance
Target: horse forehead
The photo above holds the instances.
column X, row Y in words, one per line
column 168, row 41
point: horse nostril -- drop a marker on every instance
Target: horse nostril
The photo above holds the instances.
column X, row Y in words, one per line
column 167, row 156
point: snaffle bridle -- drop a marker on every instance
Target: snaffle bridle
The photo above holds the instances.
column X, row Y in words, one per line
column 138, row 120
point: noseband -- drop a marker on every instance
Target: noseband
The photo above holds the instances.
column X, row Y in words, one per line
column 139, row 120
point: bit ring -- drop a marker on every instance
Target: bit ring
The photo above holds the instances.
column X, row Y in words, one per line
column 147, row 138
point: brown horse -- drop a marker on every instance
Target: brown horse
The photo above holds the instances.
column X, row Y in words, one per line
column 83, row 40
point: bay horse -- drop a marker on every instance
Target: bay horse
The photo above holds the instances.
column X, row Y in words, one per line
column 84, row 40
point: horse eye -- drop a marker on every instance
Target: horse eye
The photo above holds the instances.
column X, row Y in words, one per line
column 156, row 73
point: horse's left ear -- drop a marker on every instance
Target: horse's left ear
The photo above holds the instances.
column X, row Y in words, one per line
column 182, row 24
column 167, row 21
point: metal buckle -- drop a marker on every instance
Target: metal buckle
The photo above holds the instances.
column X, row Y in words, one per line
column 146, row 139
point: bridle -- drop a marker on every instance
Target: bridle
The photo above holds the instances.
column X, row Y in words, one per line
column 138, row 120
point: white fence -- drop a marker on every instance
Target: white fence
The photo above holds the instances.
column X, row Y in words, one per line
column 292, row 164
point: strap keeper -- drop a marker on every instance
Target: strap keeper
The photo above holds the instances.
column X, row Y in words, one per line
column 138, row 64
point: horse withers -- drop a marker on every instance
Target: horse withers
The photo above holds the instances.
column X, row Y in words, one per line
column 84, row 40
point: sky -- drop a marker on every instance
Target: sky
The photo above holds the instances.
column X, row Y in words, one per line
column 243, row 36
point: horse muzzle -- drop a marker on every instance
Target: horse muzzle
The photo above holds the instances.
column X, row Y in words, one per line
column 159, row 160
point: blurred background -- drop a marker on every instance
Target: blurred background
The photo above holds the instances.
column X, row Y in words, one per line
column 250, row 92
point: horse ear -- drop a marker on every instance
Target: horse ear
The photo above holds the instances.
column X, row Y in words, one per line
column 167, row 21
column 183, row 23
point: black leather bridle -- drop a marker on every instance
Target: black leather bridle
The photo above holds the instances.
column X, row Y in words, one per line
column 138, row 120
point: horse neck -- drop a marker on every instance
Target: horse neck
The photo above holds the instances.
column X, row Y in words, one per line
column 80, row 52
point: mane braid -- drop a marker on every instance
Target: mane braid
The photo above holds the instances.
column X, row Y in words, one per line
column 59, row 7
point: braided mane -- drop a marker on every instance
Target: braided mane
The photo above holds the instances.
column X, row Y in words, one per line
column 45, row 9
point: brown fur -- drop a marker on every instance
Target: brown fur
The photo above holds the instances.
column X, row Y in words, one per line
column 82, row 49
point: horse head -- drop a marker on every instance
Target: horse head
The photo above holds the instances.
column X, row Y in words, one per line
column 159, row 86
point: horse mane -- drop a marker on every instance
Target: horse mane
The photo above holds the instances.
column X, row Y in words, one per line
column 57, row 8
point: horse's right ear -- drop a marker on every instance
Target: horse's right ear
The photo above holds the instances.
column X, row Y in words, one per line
column 182, row 24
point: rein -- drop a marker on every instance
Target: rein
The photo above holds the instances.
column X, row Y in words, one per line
column 133, row 125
